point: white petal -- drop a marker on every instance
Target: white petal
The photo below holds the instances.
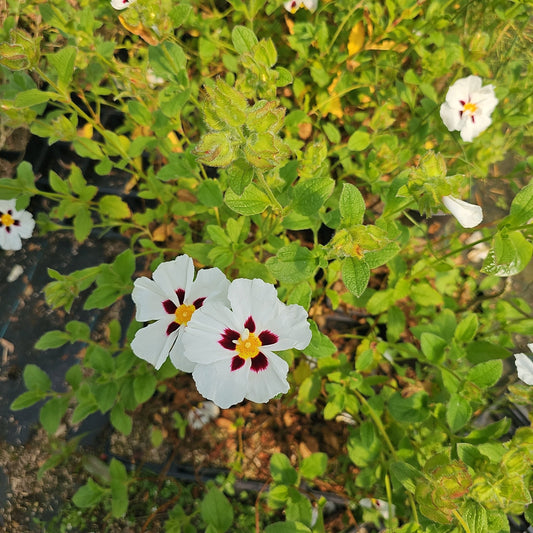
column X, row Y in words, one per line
column 218, row 383
column 9, row 241
column 524, row 367
column 121, row 4
column 6, row 205
column 450, row 116
column 530, row 346
column 468, row 215
column 291, row 6
column 152, row 343
column 471, row 129
column 210, row 283
column 255, row 298
column 310, row 4
column 291, row 327
column 174, row 275
column 149, row 298
column 27, row 224
column 204, row 331
column 267, row 383
column 177, row 354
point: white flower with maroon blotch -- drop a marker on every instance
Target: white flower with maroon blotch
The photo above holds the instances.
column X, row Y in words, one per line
column 468, row 107
column 468, row 215
column 233, row 348
column 293, row 5
column 14, row 225
column 121, row 4
column 382, row 506
column 524, row 366
column 171, row 298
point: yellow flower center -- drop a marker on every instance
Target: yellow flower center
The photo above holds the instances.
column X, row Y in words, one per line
column 183, row 314
column 470, row 108
column 6, row 219
column 248, row 345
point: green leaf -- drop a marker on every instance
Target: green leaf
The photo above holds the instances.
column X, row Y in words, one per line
column 216, row 510
column 168, row 61
column 52, row 339
column 244, row 39
column 33, row 97
column 63, row 62
column 287, row 527
column 27, row 399
column 321, row 345
column 486, row 374
column 358, row 141
column 144, row 387
column 120, row 420
column 84, row 409
column 119, row 488
column 433, row 347
column 351, row 205
column 240, row 174
column 36, row 379
column 52, row 412
column 458, row 412
column 83, row 224
column 310, row 195
column 406, row 474
column 106, row 395
column 89, row 495
column 510, row 254
column 409, row 410
column 209, row 194
column 282, row 470
column 481, row 351
column 113, row 207
column 314, row 466
column 292, row 263
column 467, row 328
column 355, row 275
column 363, row 444
column 251, row 202
column 522, row 206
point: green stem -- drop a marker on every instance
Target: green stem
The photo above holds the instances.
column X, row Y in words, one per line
column 461, row 521
column 266, row 188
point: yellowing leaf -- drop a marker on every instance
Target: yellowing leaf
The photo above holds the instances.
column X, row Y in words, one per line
column 161, row 233
column 175, row 142
column 356, row 39
column 140, row 30
column 333, row 104
column 86, row 131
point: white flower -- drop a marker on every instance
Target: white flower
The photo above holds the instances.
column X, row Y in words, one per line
column 468, row 107
column 524, row 366
column 468, row 215
column 171, row 299
column 121, row 4
column 382, row 506
column 233, row 349
column 293, row 5
column 14, row 225
column 199, row 416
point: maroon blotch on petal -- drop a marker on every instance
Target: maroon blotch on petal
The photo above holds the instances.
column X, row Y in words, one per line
column 267, row 337
column 227, row 339
column 236, row 363
column 199, row 302
column 173, row 326
column 169, row 306
column 180, row 293
column 250, row 324
column 259, row 362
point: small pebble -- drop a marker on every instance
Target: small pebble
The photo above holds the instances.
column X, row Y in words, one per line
column 15, row 273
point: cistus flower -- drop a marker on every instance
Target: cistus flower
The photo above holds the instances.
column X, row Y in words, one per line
column 468, row 107
column 14, row 225
column 468, row 215
column 293, row 5
column 171, row 298
column 121, row 4
column 524, row 366
column 233, row 348
column 382, row 506
column 201, row 415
